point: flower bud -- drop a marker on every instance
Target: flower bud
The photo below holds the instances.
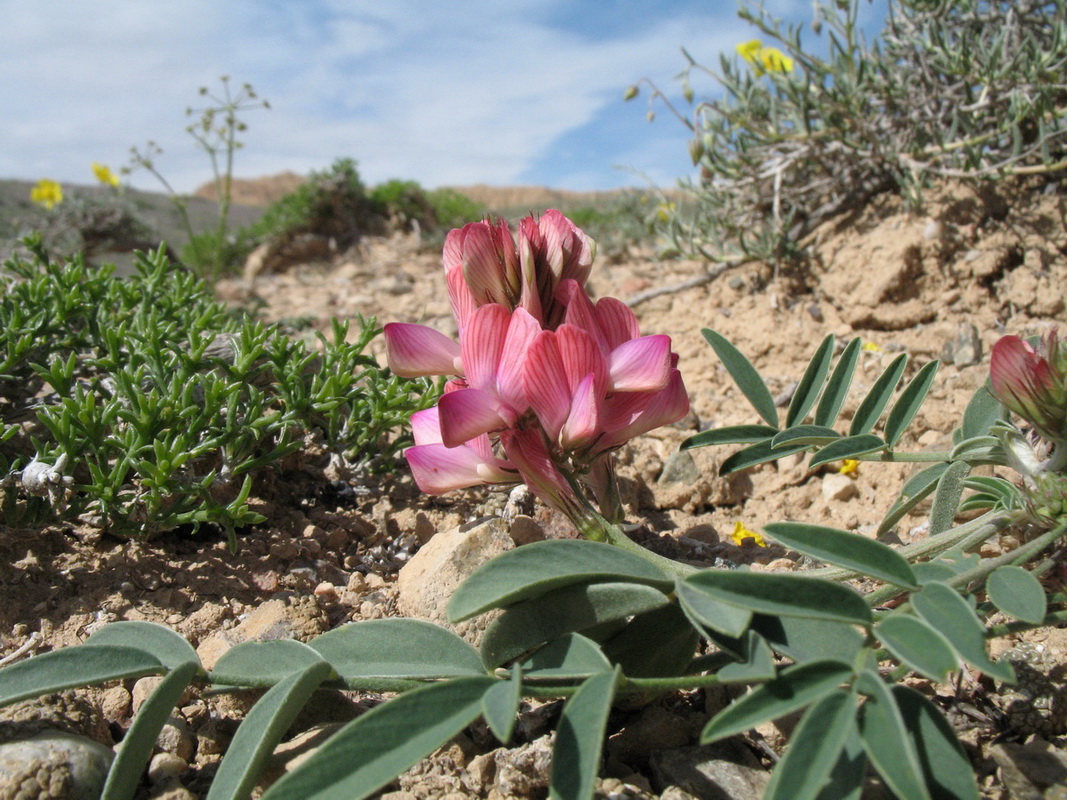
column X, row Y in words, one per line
column 1033, row 382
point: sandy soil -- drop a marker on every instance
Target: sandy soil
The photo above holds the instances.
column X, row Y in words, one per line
column 974, row 265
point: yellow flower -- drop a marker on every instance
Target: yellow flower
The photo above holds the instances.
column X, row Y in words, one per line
column 104, row 174
column 848, row 466
column 764, row 59
column 750, row 51
column 741, row 533
column 47, row 193
column 774, row 60
column 871, row 347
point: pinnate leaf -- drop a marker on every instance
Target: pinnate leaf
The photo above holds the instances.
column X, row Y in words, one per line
column 786, row 595
column 745, row 376
column 848, row 550
column 260, row 731
column 377, row 746
column 811, row 383
column 872, row 406
column 541, row 567
column 946, row 611
column 917, row 645
column 83, row 665
column 814, row 748
column 397, row 648
column 580, row 737
column 794, row 688
column 1018, row 594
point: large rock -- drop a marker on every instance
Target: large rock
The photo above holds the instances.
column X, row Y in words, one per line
column 426, row 583
column 725, row 770
column 54, row 765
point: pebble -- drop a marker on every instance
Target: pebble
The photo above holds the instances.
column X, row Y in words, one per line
column 838, row 487
column 53, row 764
column 165, row 766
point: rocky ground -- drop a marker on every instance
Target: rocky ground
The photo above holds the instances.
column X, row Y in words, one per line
column 942, row 285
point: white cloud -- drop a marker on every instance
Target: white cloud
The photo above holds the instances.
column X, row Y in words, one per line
column 409, row 89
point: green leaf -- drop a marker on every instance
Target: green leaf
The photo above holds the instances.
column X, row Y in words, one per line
column 908, row 403
column 263, row 663
column 500, row 705
column 849, row 774
column 744, row 375
column 943, row 607
column 916, row 644
column 982, row 413
column 534, row 622
column 1018, row 594
column 805, row 434
column 814, row 748
column 914, row 492
column 811, row 383
column 977, row 449
column 833, row 397
column 579, row 738
column 756, row 454
column 83, row 665
column 849, row 447
column 541, row 567
column 947, row 497
column 793, row 689
column 374, row 748
column 946, row 769
column 848, row 550
column 397, row 648
column 734, row 434
column 706, row 609
column 169, row 647
column 810, row 639
column 878, row 397
column 569, row 656
column 262, row 729
column 140, row 740
column 656, row 644
column 757, row 666
column 886, row 740
column 788, row 595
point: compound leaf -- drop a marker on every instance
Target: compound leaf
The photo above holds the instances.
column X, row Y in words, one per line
column 580, row 737
column 541, row 567
column 377, row 746
column 745, row 376
column 848, row 550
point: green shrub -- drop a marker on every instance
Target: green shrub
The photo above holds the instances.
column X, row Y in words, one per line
column 967, row 90
column 141, row 405
column 453, row 209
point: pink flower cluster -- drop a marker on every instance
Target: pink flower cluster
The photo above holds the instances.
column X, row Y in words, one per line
column 1032, row 382
column 545, row 381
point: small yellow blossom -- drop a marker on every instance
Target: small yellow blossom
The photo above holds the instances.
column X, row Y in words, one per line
column 848, row 466
column 741, row 533
column 47, row 193
column 104, row 174
column 764, row 59
column 664, row 211
column 871, row 347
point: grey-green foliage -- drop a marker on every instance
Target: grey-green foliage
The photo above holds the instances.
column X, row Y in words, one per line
column 155, row 406
column 971, row 89
column 592, row 622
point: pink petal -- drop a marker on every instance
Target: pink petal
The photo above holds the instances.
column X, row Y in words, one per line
column 567, row 246
column 581, row 355
column 616, row 321
column 416, row 350
column 580, row 309
column 583, row 423
column 631, row 414
column 527, row 452
column 640, row 365
column 522, row 330
column 490, row 263
column 467, row 413
column 426, row 426
column 482, row 343
column 438, row 469
column 460, row 297
column 545, row 383
column 452, row 253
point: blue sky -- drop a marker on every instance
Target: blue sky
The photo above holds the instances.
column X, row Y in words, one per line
column 446, row 93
